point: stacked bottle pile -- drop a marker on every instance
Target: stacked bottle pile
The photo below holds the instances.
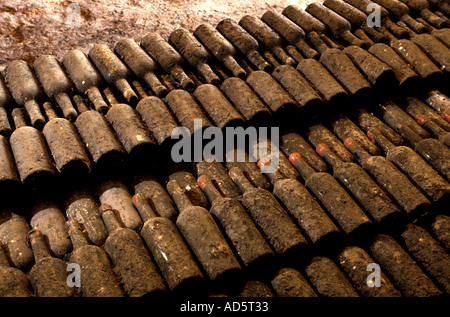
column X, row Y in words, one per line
column 88, row 185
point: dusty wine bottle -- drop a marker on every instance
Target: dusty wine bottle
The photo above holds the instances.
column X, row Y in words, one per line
column 438, row 101
column 48, row 276
column 328, row 279
column 220, row 110
column 411, row 163
column 244, row 42
column 439, row 227
column 300, row 89
column 403, row 270
column 256, row 289
column 187, row 181
column 433, row 151
column 418, row 60
column 246, row 101
column 397, row 184
column 187, row 110
column 169, row 59
column 217, row 173
column 317, row 133
column 132, row 264
column 220, row 47
column 13, row 282
column 46, row 216
column 344, row 128
column 254, row 252
column 131, row 131
column 368, row 193
column 290, row 31
column 25, row 90
column 194, row 53
column 355, row 261
column 435, row 49
column 97, row 278
column 67, row 149
column 289, row 282
column 344, row 210
column 113, row 192
column 79, row 203
column 357, row 18
column 442, row 135
column 141, row 64
column 267, row 37
column 297, row 200
column 205, row 239
column 5, row 107
column 147, row 185
column 422, row 8
column 428, row 252
column 408, row 79
column 56, row 84
column 9, row 177
column 113, row 71
column 100, row 140
column 85, row 77
column 168, row 249
column 416, row 108
column 277, row 227
column 30, row 152
column 339, row 26
column 401, row 12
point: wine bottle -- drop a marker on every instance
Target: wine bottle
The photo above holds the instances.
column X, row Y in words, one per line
column 289, row 282
column 433, row 151
column 327, row 279
column 297, row 200
column 5, row 108
column 244, row 42
column 168, row 249
column 387, row 175
column 48, row 276
column 85, row 77
column 67, row 149
column 56, row 84
column 25, row 90
column 434, row 48
column 219, row 175
column 267, row 37
column 30, row 152
column 169, row 59
column 277, row 227
column 132, row 263
column 254, row 252
column 113, row 71
column 97, row 277
column 220, row 47
column 368, row 193
column 442, row 135
column 9, row 177
column 402, row 269
column 350, row 218
column 413, row 165
column 13, row 282
column 422, row 8
column 205, row 239
column 355, row 261
column 142, row 65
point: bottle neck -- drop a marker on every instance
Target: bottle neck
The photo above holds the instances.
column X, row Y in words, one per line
column 407, row 133
column 3, row 258
column 209, row 188
column 329, row 156
column 240, row 180
column 19, row 117
column 357, row 150
column 38, row 245
column 381, row 140
column 141, row 203
column 273, row 176
column 305, row 170
column 110, row 218
column 76, row 235
column 431, row 126
column 179, row 197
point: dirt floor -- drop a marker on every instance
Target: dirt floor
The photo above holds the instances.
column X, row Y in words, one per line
column 29, row 28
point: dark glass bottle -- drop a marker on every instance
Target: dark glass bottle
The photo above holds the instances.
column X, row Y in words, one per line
column 13, row 282
column 368, row 193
